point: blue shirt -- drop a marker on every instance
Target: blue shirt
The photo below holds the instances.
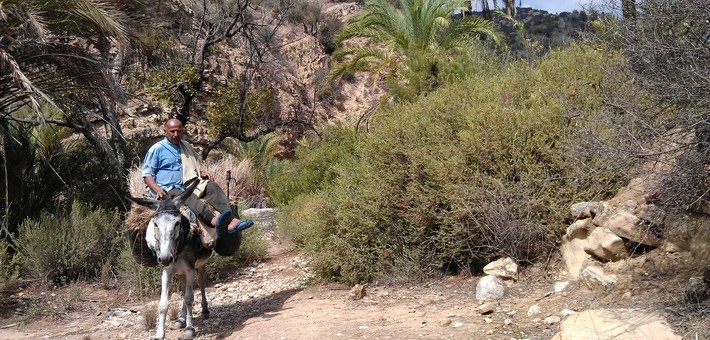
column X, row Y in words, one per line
column 163, row 163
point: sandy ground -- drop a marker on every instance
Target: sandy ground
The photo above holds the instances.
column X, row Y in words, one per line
column 271, row 301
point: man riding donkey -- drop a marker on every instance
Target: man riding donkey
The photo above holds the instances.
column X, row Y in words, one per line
column 172, row 164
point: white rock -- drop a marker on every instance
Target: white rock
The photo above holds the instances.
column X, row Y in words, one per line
column 616, row 324
column 458, row 324
column 567, row 312
column 552, row 320
column 534, row 309
column 489, row 287
column 595, row 278
column 504, row 268
column 560, row 286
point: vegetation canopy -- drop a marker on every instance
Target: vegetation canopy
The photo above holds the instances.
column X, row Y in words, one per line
column 410, row 42
column 444, row 185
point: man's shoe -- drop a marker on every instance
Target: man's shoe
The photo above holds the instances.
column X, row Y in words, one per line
column 223, row 221
column 242, row 225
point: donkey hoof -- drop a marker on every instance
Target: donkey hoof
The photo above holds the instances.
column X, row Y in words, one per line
column 206, row 314
column 179, row 323
column 189, row 333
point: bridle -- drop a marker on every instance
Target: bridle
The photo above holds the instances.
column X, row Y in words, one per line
column 181, row 236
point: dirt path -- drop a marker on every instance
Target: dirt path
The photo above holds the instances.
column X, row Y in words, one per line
column 270, row 301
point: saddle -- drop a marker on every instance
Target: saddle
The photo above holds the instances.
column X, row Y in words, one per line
column 208, row 235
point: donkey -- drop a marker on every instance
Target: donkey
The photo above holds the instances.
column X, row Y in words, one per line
column 179, row 252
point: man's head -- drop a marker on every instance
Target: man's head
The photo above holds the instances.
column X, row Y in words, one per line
column 173, row 131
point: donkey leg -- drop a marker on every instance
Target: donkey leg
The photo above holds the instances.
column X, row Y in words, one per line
column 189, row 299
column 203, row 281
column 163, row 306
column 180, row 322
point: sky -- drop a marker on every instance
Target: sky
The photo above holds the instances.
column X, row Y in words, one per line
column 552, row 6
column 555, row 6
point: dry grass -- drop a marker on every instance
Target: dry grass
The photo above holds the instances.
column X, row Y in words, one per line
column 241, row 173
column 150, row 316
column 137, row 218
column 173, row 310
column 242, row 179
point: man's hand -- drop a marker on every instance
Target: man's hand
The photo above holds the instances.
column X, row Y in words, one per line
column 160, row 194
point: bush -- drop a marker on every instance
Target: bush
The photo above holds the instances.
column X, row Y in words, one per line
column 62, row 249
column 313, row 168
column 9, row 269
column 477, row 170
column 142, row 280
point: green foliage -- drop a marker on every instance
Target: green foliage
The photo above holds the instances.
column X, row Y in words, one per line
column 167, row 83
column 9, row 267
column 232, row 110
column 143, row 280
column 46, row 171
column 420, row 30
column 467, row 173
column 313, row 168
column 60, row 249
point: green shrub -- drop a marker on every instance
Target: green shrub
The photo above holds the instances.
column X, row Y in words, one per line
column 476, row 170
column 313, row 166
column 9, row 268
column 142, row 280
column 61, row 249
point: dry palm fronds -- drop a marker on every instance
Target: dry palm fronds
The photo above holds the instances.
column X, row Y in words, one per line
column 138, row 217
column 136, row 185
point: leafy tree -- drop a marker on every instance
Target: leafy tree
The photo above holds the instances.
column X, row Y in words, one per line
column 410, row 43
column 190, row 50
column 45, row 170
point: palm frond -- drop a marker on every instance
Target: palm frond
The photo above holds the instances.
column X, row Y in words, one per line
column 24, row 88
column 469, row 27
column 104, row 17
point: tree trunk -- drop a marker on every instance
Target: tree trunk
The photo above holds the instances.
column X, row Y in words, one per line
column 510, row 7
column 486, row 9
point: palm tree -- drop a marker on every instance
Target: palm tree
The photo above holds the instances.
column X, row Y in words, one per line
column 416, row 35
column 58, row 53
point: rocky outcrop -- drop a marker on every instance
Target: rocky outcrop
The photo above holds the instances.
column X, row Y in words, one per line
column 609, row 231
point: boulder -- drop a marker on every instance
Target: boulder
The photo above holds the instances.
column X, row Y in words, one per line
column 504, row 268
column 573, row 245
column 627, row 225
column 587, row 209
column 697, row 289
column 595, row 278
column 619, row 324
column 490, row 287
column 605, row 245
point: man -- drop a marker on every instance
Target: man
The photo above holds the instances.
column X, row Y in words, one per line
column 171, row 163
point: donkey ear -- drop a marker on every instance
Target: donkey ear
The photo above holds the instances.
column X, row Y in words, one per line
column 188, row 191
column 146, row 202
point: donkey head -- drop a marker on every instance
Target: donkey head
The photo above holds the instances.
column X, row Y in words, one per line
column 165, row 228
